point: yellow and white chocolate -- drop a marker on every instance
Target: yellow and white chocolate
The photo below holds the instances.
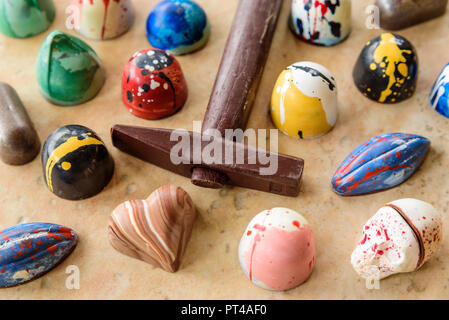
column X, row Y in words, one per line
column 304, row 101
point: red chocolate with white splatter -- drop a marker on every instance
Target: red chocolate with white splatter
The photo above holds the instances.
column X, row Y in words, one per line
column 153, row 85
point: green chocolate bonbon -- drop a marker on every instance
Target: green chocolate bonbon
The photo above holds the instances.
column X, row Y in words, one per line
column 68, row 70
column 25, row 18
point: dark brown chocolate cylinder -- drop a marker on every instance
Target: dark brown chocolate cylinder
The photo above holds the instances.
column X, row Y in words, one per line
column 19, row 142
column 239, row 74
column 400, row 14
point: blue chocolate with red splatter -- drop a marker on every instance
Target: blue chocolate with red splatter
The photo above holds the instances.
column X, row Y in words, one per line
column 29, row 250
column 380, row 163
column 178, row 26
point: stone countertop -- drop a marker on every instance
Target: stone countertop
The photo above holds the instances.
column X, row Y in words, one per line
column 210, row 268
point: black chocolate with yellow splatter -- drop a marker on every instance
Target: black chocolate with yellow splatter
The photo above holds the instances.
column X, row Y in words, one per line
column 387, row 68
column 76, row 163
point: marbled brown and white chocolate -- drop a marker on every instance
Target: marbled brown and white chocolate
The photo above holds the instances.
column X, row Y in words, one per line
column 155, row 230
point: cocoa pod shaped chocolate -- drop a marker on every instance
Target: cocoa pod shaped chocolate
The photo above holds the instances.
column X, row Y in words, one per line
column 380, row 163
column 155, row 230
column 30, row 250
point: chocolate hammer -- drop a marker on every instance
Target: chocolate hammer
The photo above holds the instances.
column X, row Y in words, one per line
column 229, row 107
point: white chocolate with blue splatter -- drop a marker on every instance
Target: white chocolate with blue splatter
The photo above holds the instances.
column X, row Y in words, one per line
column 325, row 23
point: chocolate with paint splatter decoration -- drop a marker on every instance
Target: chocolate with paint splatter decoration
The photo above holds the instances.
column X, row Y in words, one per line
column 68, row 70
column 401, row 237
column 324, row 23
column 304, row 101
column 26, row 18
column 387, row 69
column 153, row 85
column 30, row 250
column 439, row 95
column 277, row 250
column 156, row 230
column 103, row 19
column 381, row 163
column 76, row 163
column 178, row 26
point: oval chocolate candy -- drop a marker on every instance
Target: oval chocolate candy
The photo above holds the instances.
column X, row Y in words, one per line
column 30, row 250
column 380, row 163
column 19, row 142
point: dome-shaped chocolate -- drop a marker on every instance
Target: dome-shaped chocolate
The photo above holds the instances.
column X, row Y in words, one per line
column 76, row 163
column 25, row 18
column 68, row 70
column 103, row 19
column 387, row 69
column 178, row 26
column 153, row 85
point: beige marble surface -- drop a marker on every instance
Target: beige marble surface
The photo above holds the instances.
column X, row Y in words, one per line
column 210, row 268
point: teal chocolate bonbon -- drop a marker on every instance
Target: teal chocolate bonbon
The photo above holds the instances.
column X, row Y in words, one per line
column 68, row 70
column 25, row 18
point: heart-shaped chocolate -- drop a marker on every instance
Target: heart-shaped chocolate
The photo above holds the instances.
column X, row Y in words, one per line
column 155, row 230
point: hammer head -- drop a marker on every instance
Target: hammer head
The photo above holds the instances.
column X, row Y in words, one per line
column 211, row 161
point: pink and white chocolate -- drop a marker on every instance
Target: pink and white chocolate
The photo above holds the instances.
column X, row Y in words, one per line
column 277, row 250
column 400, row 237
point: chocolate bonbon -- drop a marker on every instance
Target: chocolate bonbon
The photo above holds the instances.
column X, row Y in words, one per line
column 153, row 85
column 30, row 250
column 25, row 18
column 401, row 237
column 76, row 163
column 229, row 108
column 380, row 163
column 103, row 19
column 304, row 102
column 325, row 23
column 19, row 142
column 178, row 26
column 439, row 95
column 399, row 14
column 69, row 72
column 156, row 230
column 387, row 68
column 277, row 250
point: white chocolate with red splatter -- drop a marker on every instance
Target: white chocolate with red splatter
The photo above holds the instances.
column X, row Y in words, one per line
column 427, row 221
column 391, row 239
column 277, row 250
column 102, row 19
